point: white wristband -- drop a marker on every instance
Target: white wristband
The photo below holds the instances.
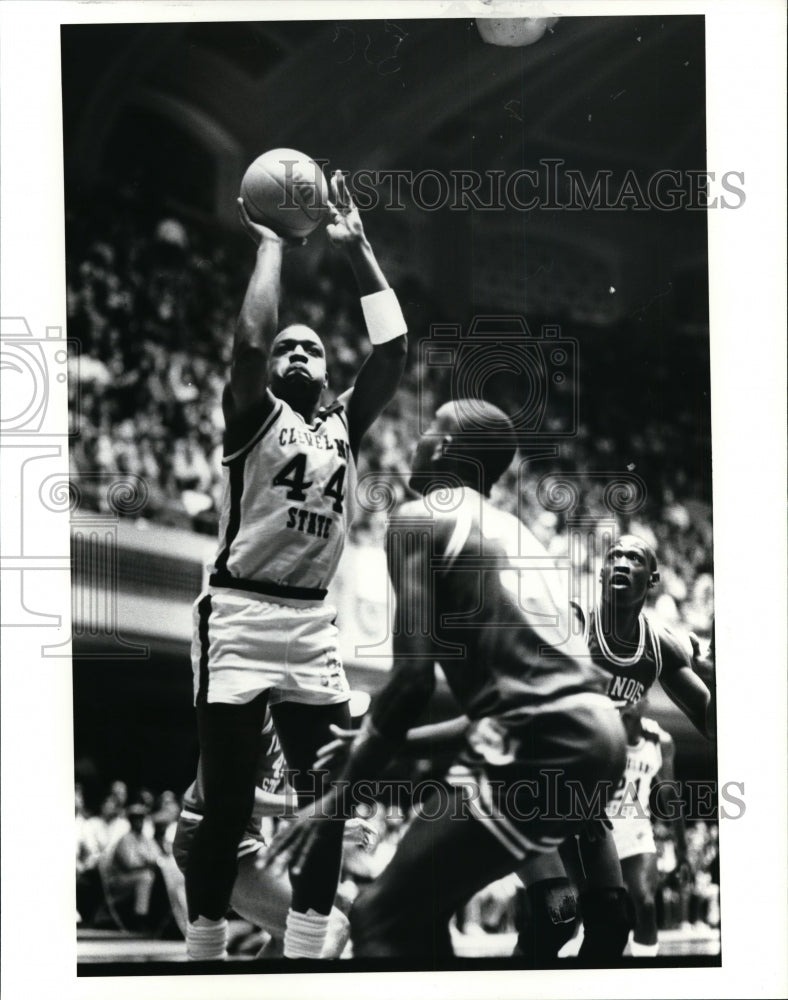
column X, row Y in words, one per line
column 383, row 316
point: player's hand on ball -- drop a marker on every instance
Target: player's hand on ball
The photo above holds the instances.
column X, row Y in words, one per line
column 345, row 227
column 334, row 753
column 259, row 232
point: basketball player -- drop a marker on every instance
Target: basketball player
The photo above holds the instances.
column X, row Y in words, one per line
column 259, row 895
column 476, row 592
column 634, row 652
column 650, row 753
column 263, row 634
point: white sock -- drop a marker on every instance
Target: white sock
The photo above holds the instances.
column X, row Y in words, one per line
column 305, row 934
column 337, row 935
column 638, row 950
column 206, row 939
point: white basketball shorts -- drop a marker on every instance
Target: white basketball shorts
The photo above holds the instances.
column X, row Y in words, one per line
column 633, row 835
column 244, row 644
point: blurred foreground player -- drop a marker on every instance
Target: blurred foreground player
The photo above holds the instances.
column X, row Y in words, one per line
column 634, row 652
column 262, row 632
column 476, row 592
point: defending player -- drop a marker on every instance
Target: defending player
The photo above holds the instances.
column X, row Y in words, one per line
column 634, row 652
column 476, row 592
column 262, row 631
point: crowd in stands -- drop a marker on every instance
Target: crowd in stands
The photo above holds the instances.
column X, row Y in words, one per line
column 126, row 875
column 152, row 303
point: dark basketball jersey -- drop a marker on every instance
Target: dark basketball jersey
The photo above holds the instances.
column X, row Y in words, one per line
column 629, row 676
column 502, row 621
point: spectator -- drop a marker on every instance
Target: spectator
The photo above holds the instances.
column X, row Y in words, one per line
column 106, row 829
column 132, row 868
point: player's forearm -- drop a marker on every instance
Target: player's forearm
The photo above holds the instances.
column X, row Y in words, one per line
column 426, row 737
column 412, row 679
column 274, row 804
column 259, row 316
column 369, row 276
column 376, row 385
column 691, row 695
column 369, row 756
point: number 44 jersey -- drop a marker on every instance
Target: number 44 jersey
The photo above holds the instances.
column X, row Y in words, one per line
column 288, row 500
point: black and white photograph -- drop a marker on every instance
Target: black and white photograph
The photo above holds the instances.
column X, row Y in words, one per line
column 397, row 429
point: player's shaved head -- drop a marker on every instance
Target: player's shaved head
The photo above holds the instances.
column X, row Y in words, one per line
column 468, row 437
column 635, row 541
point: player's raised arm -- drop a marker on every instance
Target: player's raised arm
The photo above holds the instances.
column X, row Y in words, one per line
column 257, row 322
column 379, row 376
column 684, row 688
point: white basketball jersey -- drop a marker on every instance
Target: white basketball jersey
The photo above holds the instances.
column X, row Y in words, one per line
column 644, row 760
column 288, row 500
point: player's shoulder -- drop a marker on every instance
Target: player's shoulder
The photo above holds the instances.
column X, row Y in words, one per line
column 333, row 411
column 675, row 652
column 422, row 513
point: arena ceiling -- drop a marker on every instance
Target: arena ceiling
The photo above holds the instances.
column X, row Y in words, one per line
column 604, row 91
column 600, row 94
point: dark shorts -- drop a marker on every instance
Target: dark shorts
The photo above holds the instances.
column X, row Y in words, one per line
column 534, row 781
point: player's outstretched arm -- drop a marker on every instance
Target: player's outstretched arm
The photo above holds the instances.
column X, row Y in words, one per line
column 423, row 739
column 684, row 688
column 258, row 320
column 419, row 741
column 380, row 374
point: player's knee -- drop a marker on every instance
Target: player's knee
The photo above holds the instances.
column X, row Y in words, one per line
column 608, row 917
column 550, row 922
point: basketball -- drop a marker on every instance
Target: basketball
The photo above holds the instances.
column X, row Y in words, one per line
column 513, row 31
column 285, row 190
